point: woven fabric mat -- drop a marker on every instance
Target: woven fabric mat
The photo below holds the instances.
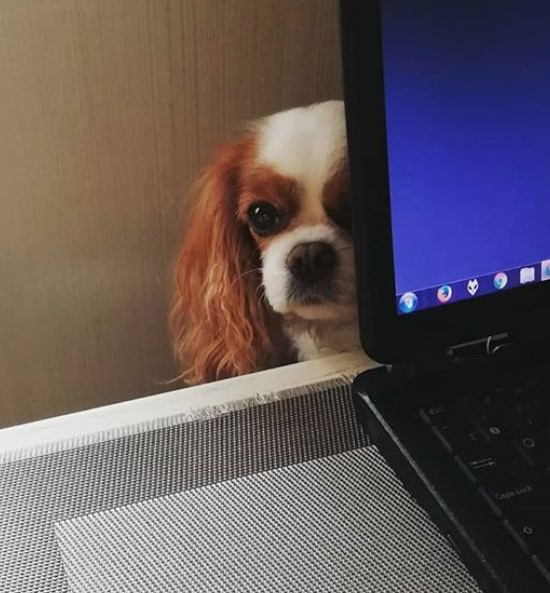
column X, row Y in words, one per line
column 340, row 524
column 159, row 464
column 39, row 489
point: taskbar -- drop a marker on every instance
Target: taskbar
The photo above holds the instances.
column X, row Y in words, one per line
column 443, row 294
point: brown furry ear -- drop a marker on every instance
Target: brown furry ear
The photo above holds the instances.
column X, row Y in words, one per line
column 219, row 324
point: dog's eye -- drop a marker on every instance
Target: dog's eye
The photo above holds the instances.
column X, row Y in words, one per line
column 264, row 218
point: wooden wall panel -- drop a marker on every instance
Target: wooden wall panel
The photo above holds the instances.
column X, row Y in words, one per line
column 108, row 110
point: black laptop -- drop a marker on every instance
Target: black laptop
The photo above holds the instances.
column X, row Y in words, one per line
column 448, row 116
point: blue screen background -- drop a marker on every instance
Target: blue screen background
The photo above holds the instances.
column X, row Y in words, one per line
column 468, row 117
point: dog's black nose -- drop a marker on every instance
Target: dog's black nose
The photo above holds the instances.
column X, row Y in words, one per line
column 311, row 262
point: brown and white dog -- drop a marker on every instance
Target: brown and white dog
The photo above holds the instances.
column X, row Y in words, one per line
column 266, row 271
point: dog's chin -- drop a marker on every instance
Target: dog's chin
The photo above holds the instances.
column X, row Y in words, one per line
column 316, row 306
column 324, row 311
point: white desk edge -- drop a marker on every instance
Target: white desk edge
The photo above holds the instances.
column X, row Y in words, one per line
column 181, row 401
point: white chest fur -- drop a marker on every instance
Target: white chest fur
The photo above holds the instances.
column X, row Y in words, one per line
column 316, row 339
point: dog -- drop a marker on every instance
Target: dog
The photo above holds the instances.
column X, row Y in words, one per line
column 265, row 275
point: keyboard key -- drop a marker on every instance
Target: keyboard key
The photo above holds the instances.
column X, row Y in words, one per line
column 432, row 413
column 519, row 498
column 528, row 418
column 476, row 468
column 462, row 439
column 532, row 449
column 496, row 470
column 532, row 535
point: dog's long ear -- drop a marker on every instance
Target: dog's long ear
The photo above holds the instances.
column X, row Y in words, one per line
column 219, row 324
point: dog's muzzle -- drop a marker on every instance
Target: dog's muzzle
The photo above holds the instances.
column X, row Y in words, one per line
column 312, row 267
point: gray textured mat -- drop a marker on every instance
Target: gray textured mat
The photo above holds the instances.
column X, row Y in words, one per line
column 341, row 524
column 37, row 491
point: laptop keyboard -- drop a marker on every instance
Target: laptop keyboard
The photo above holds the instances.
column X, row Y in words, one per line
column 501, row 442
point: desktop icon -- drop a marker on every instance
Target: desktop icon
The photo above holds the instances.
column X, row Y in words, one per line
column 472, row 286
column 408, row 302
column 500, row 280
column 526, row 275
column 545, row 269
column 444, row 293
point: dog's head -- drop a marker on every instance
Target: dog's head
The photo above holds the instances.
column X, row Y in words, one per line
column 270, row 237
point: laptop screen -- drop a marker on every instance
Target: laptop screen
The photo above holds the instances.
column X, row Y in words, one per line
column 467, row 86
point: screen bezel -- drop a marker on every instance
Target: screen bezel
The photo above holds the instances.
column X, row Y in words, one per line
column 386, row 335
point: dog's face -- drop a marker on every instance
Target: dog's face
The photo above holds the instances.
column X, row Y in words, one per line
column 270, row 235
column 295, row 200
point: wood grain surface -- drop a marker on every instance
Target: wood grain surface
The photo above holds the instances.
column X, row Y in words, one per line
column 108, row 110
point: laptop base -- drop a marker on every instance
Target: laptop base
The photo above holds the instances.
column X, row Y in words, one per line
column 409, row 414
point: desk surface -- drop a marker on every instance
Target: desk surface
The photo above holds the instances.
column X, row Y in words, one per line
column 50, row 490
column 180, row 402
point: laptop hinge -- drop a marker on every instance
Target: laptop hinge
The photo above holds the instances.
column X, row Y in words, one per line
column 481, row 347
column 467, row 353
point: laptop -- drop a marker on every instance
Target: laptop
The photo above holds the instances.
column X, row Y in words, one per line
column 448, row 118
